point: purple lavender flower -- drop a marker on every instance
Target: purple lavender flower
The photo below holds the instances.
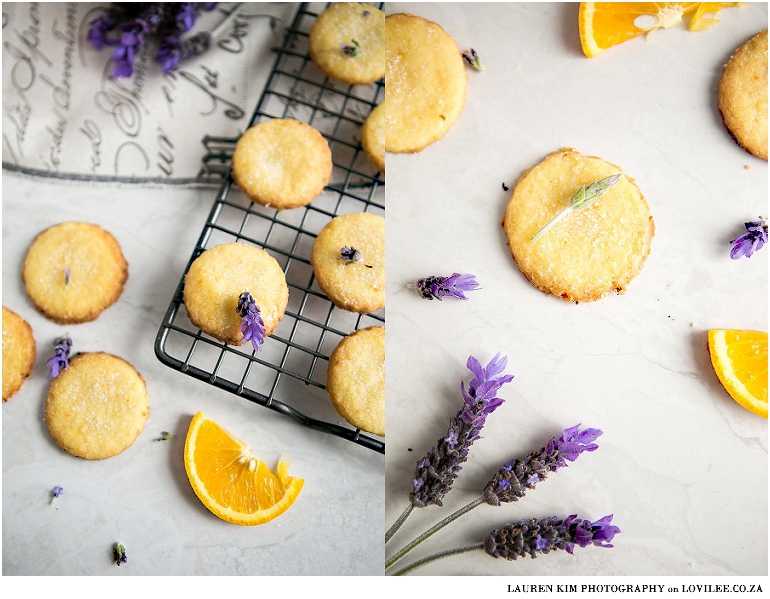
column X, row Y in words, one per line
column 252, row 326
column 173, row 51
column 67, row 273
column 56, row 492
column 436, row 472
column 119, row 555
column 533, row 537
column 753, row 240
column 351, row 50
column 349, row 254
column 439, row 287
column 517, row 476
column 60, row 360
column 103, row 30
column 132, row 36
column 473, row 59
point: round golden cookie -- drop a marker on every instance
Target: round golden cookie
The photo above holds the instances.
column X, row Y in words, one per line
column 96, row 407
column 356, row 379
column 73, row 271
column 593, row 250
column 373, row 137
column 19, row 352
column 743, row 95
column 216, row 280
column 425, row 80
column 356, row 286
column 347, row 42
column 282, row 163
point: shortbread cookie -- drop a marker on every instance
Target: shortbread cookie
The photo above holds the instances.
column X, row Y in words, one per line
column 594, row 250
column 356, row 379
column 347, row 42
column 352, row 284
column 373, row 137
column 282, row 163
column 19, row 352
column 73, row 271
column 96, row 407
column 743, row 95
column 216, row 280
column 425, row 81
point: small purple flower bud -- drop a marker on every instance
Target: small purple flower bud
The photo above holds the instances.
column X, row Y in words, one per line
column 440, row 287
column 252, row 326
column 752, row 241
column 60, row 360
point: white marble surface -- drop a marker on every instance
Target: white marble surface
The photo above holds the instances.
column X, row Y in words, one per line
column 680, row 465
column 142, row 497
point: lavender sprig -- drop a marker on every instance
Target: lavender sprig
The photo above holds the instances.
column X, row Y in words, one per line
column 584, row 196
column 252, row 326
column 132, row 36
column 60, row 360
column 436, row 472
column 351, row 49
column 173, row 51
column 534, row 537
column 473, row 59
column 349, row 254
column 750, row 242
column 56, row 492
column 119, row 555
column 439, row 287
column 517, row 476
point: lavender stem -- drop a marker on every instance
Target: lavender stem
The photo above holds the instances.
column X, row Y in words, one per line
column 222, row 27
column 452, row 517
column 397, row 524
column 436, row 556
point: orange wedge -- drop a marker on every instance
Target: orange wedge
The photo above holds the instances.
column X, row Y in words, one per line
column 740, row 361
column 231, row 481
column 606, row 24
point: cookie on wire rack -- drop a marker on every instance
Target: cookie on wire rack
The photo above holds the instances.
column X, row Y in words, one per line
column 743, row 95
column 348, row 259
column 97, row 406
column 282, row 163
column 73, row 271
column 217, row 278
column 347, row 42
column 19, row 352
column 356, row 379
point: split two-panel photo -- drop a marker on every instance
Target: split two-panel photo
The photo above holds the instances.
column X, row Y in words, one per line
column 533, row 347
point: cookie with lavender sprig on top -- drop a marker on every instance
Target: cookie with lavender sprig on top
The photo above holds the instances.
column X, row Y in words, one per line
column 73, row 271
column 578, row 227
column 743, row 95
column 19, row 352
column 356, row 379
column 347, row 42
column 96, row 406
column 236, row 293
column 348, row 259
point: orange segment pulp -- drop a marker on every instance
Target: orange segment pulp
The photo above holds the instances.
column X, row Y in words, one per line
column 740, row 361
column 606, row 24
column 230, row 480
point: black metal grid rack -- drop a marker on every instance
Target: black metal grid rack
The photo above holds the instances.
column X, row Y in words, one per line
column 288, row 374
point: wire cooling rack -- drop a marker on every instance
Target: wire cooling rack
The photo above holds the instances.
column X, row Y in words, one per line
column 288, row 374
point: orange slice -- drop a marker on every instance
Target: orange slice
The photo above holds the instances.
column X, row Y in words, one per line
column 740, row 361
column 230, row 480
column 606, row 24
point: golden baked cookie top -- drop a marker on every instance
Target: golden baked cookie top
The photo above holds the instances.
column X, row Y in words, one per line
column 73, row 271
column 591, row 252
column 215, row 281
column 373, row 137
column 352, row 281
column 347, row 42
column 97, row 407
column 425, row 82
column 282, row 163
column 356, row 379
column 743, row 95
column 19, row 352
